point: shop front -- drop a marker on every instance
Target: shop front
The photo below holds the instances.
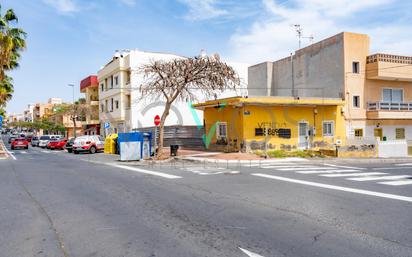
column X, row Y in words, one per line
column 245, row 124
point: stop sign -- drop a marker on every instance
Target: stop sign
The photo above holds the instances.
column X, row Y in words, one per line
column 157, row 120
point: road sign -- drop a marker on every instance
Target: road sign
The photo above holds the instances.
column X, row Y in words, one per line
column 1, row 121
column 157, row 120
column 107, row 125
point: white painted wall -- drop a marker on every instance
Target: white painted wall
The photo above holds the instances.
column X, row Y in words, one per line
column 144, row 110
column 393, row 148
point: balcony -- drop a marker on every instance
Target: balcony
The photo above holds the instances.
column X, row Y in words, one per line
column 387, row 110
column 94, row 103
column 389, row 67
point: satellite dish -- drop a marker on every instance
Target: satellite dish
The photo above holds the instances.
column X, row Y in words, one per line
column 117, row 54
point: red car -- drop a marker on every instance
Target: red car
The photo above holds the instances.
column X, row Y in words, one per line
column 57, row 144
column 20, row 143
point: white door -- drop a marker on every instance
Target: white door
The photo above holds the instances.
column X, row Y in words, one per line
column 303, row 135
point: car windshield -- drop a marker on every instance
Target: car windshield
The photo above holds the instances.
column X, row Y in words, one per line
column 35, row 138
column 44, row 138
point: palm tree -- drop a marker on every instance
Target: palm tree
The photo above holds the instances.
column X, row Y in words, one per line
column 12, row 41
column 6, row 90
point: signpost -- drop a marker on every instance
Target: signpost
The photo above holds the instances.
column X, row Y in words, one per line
column 156, row 123
column 1, row 121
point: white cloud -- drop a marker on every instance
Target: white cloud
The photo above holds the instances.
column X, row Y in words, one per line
column 203, row 9
column 63, row 6
column 128, row 2
column 273, row 36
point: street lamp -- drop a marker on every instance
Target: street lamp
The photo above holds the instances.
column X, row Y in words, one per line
column 74, row 127
column 72, row 85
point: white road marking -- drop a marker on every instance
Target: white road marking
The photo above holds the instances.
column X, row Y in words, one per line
column 23, row 152
column 353, row 174
column 397, row 182
column 306, row 168
column 380, row 178
column 338, row 188
column 10, row 153
column 249, row 253
column 346, row 167
column 390, row 168
column 45, row 151
column 284, row 166
column 403, row 164
column 326, row 171
column 149, row 172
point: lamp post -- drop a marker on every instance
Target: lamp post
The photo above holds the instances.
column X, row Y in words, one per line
column 74, row 126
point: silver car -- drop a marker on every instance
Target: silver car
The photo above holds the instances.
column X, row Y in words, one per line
column 35, row 141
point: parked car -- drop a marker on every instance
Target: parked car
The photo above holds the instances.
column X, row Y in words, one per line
column 12, row 138
column 69, row 145
column 57, row 144
column 20, row 143
column 91, row 144
column 35, row 141
column 43, row 141
column 51, row 141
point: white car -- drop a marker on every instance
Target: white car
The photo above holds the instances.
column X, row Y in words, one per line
column 91, row 144
column 43, row 141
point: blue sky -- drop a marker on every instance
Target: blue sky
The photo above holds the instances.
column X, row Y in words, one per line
column 70, row 39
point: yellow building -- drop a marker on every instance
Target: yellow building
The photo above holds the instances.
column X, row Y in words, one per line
column 375, row 86
column 234, row 124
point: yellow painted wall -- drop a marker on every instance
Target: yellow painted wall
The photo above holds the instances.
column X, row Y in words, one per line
column 242, row 122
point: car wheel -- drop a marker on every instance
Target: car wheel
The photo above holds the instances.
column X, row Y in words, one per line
column 92, row 150
column 27, row 147
column 69, row 150
column 12, row 148
column 75, row 152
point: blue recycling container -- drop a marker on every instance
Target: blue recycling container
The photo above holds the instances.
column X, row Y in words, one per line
column 135, row 146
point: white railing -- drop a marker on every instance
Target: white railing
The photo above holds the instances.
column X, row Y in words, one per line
column 388, row 106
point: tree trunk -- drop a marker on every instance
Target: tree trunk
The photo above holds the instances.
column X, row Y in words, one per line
column 74, row 127
column 161, row 129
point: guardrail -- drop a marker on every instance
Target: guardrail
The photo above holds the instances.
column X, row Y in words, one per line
column 387, row 106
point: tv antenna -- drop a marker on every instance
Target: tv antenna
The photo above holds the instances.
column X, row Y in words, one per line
column 299, row 33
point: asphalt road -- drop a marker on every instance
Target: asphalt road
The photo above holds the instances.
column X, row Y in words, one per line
column 58, row 204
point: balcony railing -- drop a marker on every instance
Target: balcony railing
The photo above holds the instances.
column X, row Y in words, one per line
column 389, row 58
column 388, row 106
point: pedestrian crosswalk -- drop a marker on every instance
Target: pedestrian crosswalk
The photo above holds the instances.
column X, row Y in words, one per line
column 358, row 174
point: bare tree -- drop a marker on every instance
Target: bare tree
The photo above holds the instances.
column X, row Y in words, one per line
column 184, row 79
column 75, row 111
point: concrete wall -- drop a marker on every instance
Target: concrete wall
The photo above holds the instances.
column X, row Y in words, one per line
column 260, row 79
column 318, row 72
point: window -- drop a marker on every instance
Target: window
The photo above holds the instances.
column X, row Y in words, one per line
column 105, row 84
column 327, row 128
column 102, row 107
column 116, row 80
column 128, row 101
column 358, row 132
column 400, row 133
column 391, row 95
column 221, row 131
column 355, row 67
column 102, row 87
column 111, row 81
column 106, row 105
column 117, row 104
column 356, row 101
column 111, row 104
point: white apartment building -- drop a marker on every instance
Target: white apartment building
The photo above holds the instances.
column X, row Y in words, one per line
column 29, row 113
column 122, row 108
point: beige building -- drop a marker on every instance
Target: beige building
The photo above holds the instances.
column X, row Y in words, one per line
column 42, row 110
column 89, row 86
column 375, row 87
